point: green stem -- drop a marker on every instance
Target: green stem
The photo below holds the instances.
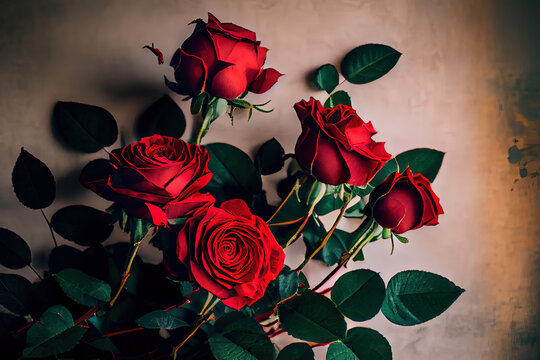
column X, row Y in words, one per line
column 50, row 227
column 204, row 319
column 127, row 268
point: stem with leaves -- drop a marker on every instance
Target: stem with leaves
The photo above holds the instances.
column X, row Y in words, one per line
column 370, row 233
column 204, row 318
column 327, row 236
column 127, row 268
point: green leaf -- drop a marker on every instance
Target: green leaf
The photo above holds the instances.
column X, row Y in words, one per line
column 234, row 175
column 198, row 102
column 137, row 228
column 359, row 294
column 33, row 182
column 390, row 167
column 170, row 319
column 424, row 161
column 83, row 225
column 368, row 62
column 82, row 288
column 215, row 109
column 14, row 252
column 326, row 78
column 402, row 239
column 55, row 333
column 269, row 158
column 356, row 211
column 360, row 344
column 239, row 337
column 284, row 286
column 414, row 297
column 15, row 293
column 312, row 317
column 296, row 351
column 339, row 97
column 85, row 128
column 164, row 117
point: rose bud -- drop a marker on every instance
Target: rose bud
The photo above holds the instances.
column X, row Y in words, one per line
column 157, row 178
column 222, row 59
column 336, row 146
column 405, row 202
column 230, row 252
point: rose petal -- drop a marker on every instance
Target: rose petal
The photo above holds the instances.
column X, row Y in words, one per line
column 229, row 83
column 264, row 81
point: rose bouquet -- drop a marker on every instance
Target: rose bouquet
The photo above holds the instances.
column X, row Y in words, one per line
column 222, row 290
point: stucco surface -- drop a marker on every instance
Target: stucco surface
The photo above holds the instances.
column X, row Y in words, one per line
column 467, row 84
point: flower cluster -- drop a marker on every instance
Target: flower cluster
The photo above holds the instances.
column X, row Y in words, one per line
column 223, row 268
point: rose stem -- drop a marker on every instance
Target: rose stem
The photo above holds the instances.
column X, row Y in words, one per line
column 206, row 309
column 296, row 185
column 326, row 238
column 50, row 227
column 88, row 315
column 35, row 272
column 127, row 267
column 363, row 241
column 302, row 226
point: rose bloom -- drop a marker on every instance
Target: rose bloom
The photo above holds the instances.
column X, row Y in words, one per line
column 157, row 178
column 230, row 252
column 222, row 59
column 336, row 146
column 405, row 202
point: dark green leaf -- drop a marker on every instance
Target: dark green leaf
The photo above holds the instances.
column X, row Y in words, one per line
column 55, row 333
column 331, row 201
column 83, row 289
column 390, row 167
column 359, row 294
column 414, row 297
column 356, row 211
column 269, row 158
column 424, row 161
column 368, row 62
column 239, row 337
column 33, row 182
column 103, row 343
column 170, row 319
column 15, row 293
column 82, row 224
column 360, row 344
column 234, row 175
column 326, row 78
column 312, row 317
column 296, row 351
column 284, row 286
column 339, row 97
column 14, row 252
column 197, row 103
column 63, row 257
column 85, row 128
column 164, row 117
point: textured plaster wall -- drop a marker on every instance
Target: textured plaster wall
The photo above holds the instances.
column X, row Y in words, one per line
column 467, row 84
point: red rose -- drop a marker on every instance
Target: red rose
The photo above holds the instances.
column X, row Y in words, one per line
column 230, row 252
column 405, row 202
column 157, row 178
column 336, row 145
column 223, row 59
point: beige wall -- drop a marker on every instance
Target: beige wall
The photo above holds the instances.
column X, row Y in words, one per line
column 467, row 84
